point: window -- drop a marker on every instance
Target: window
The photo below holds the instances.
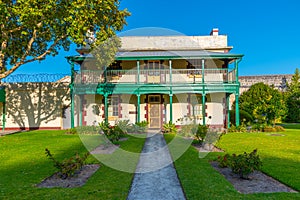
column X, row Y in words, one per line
column 113, row 108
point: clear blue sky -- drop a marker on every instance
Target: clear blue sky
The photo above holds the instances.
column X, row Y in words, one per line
column 266, row 32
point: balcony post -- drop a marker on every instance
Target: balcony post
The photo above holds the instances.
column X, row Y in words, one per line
column 171, row 107
column 72, row 94
column 106, row 108
column 227, row 109
column 138, row 107
column 138, row 71
column 237, row 110
column 203, row 65
column 203, row 109
column 80, row 110
column 3, row 114
column 170, row 69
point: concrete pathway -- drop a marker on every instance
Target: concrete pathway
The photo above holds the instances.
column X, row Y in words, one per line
column 155, row 176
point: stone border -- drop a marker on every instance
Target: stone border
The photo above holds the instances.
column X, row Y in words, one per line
column 258, row 182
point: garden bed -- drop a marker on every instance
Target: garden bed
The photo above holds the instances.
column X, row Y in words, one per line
column 258, row 182
column 77, row 180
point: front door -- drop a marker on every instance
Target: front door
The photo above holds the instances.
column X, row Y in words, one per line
column 154, row 114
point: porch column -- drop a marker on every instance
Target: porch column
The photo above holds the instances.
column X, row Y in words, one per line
column 138, row 71
column 106, row 108
column 80, row 110
column 3, row 115
column 171, row 107
column 227, row 109
column 237, row 110
column 203, row 109
column 203, row 65
column 138, row 107
column 170, row 70
column 72, row 94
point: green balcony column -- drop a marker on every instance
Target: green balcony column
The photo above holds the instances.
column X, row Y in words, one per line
column 171, row 107
column 170, row 70
column 3, row 115
column 72, row 94
column 202, row 73
column 72, row 108
column 203, row 109
column 106, row 108
column 227, row 109
column 138, row 71
column 138, row 107
column 80, row 110
column 237, row 110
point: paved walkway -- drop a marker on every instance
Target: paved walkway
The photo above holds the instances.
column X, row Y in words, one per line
column 155, row 176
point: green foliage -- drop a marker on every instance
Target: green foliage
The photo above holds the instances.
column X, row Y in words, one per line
column 187, row 130
column 71, row 131
column 244, row 164
column 32, row 30
column 244, row 117
column 169, row 128
column 224, row 161
column 293, row 99
column 139, row 127
column 200, row 132
column 237, row 129
column 124, row 125
column 68, row 167
column 264, row 103
column 112, row 133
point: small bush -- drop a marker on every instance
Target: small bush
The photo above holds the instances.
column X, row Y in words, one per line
column 71, row 131
column 70, row 166
column 169, row 128
column 224, row 161
column 124, row 125
column 279, row 128
column 187, row 130
column 269, row 129
column 242, row 164
column 139, row 127
column 200, row 132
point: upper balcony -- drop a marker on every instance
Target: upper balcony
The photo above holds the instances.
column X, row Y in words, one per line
column 157, row 76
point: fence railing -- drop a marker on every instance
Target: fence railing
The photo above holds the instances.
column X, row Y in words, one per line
column 156, row 76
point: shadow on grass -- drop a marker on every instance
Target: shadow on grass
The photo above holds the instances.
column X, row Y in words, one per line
column 25, row 165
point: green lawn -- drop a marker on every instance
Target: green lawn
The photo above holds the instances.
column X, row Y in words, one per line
column 24, row 164
column 280, row 156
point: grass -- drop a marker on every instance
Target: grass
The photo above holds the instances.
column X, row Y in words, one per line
column 24, row 164
column 280, row 156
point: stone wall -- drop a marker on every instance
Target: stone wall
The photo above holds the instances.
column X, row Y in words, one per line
column 278, row 81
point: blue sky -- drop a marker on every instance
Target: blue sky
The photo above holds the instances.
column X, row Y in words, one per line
column 266, row 32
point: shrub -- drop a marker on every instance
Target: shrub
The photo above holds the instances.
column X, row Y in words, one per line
column 269, row 129
column 68, row 167
column 279, row 128
column 224, row 161
column 71, row 131
column 244, row 164
column 187, row 130
column 88, row 129
column 113, row 133
column 200, row 132
column 169, row 128
column 244, row 116
column 139, row 127
column 124, row 125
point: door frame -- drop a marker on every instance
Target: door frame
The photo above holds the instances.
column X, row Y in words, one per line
column 158, row 102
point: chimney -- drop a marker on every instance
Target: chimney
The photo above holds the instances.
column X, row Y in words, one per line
column 214, row 32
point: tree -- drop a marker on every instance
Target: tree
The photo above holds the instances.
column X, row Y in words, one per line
column 34, row 29
column 293, row 98
column 264, row 103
